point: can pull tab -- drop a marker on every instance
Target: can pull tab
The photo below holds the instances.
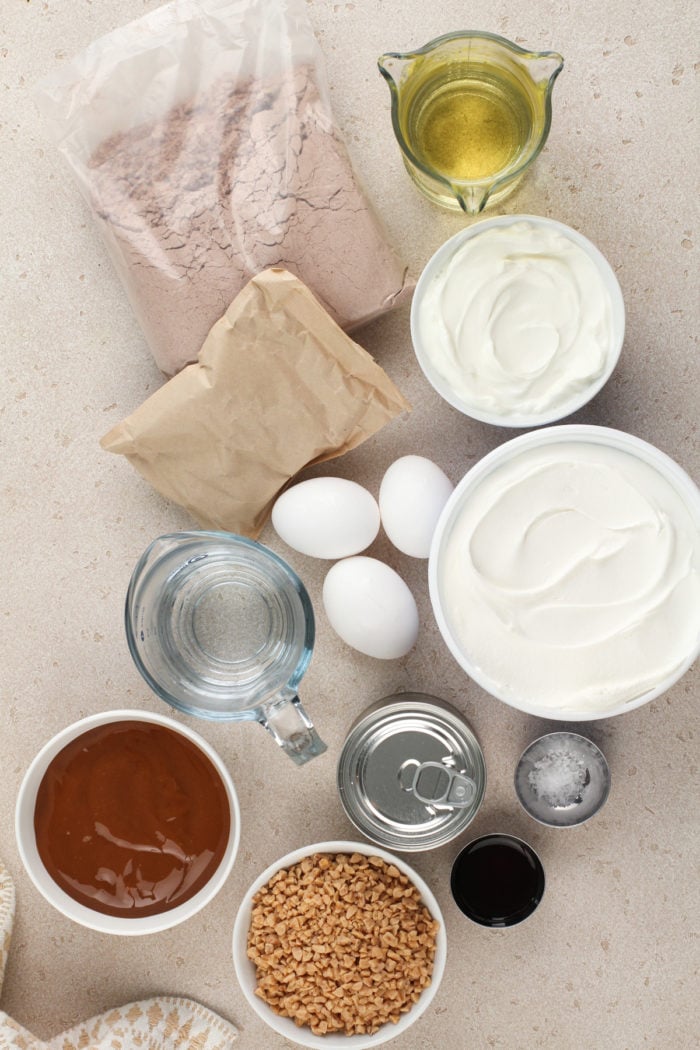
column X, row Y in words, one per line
column 436, row 785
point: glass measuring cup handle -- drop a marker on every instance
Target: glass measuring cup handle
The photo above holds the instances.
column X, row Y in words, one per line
column 292, row 728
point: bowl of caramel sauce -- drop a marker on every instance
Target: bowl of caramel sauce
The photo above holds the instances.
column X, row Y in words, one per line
column 127, row 822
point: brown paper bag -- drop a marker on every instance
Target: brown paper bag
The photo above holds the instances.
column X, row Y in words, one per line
column 277, row 386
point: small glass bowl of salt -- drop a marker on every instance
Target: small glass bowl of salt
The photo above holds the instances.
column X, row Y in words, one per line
column 562, row 779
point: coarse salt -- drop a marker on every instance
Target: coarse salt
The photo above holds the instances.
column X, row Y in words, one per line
column 558, row 778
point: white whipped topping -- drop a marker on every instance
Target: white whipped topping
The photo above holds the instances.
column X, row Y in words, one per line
column 571, row 577
column 518, row 321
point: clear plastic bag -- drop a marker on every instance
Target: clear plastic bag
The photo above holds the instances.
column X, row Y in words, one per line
column 203, row 139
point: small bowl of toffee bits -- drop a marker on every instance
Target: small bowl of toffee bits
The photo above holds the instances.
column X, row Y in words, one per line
column 339, row 945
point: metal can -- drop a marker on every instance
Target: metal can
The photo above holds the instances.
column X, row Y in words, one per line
column 411, row 774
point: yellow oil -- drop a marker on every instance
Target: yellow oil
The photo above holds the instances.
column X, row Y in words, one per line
column 468, row 126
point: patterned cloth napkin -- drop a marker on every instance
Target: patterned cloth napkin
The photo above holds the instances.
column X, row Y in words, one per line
column 164, row 1023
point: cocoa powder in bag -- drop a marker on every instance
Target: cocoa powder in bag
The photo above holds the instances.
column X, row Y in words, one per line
column 244, row 176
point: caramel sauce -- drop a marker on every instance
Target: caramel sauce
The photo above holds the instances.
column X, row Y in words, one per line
column 131, row 819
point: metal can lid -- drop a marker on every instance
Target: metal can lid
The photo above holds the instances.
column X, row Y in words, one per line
column 411, row 774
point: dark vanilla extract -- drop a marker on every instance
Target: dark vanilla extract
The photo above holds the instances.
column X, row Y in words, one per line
column 497, row 880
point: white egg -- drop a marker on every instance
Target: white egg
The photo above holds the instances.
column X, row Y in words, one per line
column 412, row 494
column 326, row 517
column 371, row 608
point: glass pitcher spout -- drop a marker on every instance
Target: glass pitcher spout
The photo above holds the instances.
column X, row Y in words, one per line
column 390, row 64
column 472, row 199
column 543, row 66
column 164, row 545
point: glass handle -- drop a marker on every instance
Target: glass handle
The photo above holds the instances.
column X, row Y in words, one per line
column 293, row 730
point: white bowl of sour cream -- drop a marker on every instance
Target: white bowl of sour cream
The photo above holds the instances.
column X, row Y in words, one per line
column 518, row 321
column 565, row 572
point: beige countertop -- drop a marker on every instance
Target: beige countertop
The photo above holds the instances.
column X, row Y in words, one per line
column 609, row 960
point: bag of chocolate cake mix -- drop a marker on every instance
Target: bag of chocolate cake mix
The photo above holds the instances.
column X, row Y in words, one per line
column 203, row 139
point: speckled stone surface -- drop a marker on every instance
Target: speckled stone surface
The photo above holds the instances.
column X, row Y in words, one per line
column 609, row 960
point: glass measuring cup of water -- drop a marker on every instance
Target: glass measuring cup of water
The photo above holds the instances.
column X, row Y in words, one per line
column 470, row 111
column 222, row 628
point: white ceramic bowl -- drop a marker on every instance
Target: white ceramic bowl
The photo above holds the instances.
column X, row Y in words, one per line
column 245, row 970
column 616, row 439
column 72, row 909
column 440, row 260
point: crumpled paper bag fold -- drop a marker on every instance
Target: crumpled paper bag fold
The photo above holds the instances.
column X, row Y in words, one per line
column 278, row 386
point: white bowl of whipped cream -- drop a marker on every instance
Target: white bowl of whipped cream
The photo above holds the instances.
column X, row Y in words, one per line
column 565, row 572
column 518, row 321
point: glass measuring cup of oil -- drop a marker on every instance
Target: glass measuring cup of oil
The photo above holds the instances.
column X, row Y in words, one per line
column 470, row 111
